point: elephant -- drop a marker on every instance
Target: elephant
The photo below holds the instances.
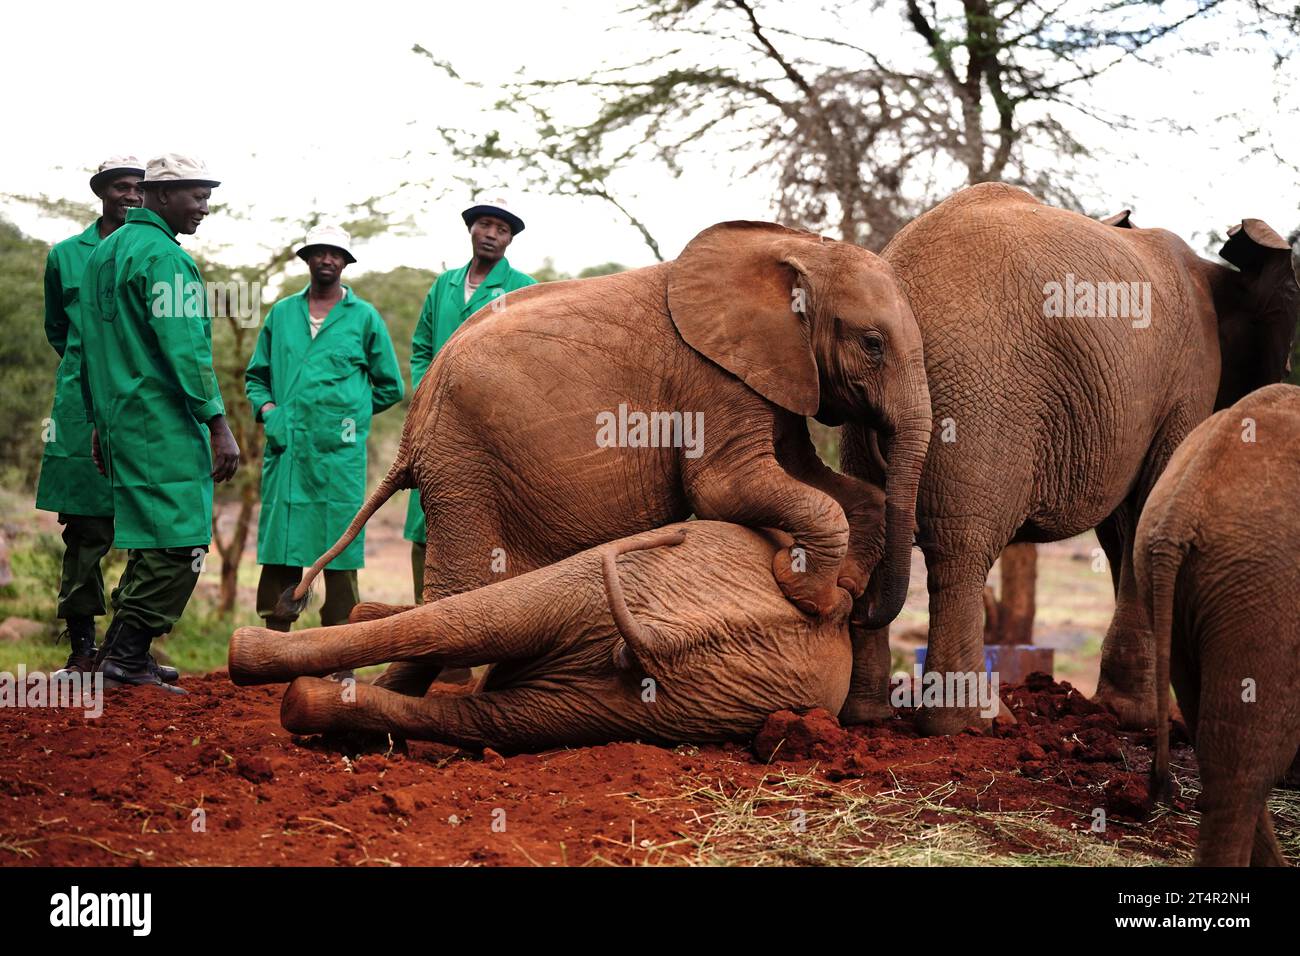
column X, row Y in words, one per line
column 674, row 635
column 1216, row 580
column 515, row 437
column 1049, row 422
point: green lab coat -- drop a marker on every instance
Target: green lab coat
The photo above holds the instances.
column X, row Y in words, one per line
column 444, row 310
column 148, row 383
column 70, row 483
column 325, row 390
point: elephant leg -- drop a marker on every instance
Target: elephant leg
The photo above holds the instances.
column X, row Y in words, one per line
column 1111, row 537
column 374, row 611
column 1128, row 655
column 1235, row 828
column 868, row 697
column 457, row 558
column 1266, row 851
column 510, row 620
column 762, row 494
column 509, row 719
column 1126, row 682
column 956, row 641
column 863, row 502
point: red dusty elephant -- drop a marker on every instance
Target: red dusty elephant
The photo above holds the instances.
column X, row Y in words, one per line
column 1216, row 581
column 1067, row 358
column 678, row 634
column 523, row 443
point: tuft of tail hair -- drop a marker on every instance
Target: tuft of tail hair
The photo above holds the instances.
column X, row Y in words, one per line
column 289, row 607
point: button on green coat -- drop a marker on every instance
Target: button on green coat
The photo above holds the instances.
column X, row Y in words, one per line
column 148, row 383
column 444, row 310
column 325, row 391
column 69, row 483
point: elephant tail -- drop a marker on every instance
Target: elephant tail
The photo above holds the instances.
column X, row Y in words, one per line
column 294, row 600
column 637, row 638
column 1164, row 568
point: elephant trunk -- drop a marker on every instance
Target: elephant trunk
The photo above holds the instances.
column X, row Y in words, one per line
column 907, row 450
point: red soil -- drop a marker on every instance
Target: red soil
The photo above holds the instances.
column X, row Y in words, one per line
column 121, row 789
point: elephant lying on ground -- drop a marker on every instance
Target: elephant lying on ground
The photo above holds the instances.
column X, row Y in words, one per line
column 1067, row 358
column 1217, row 578
column 674, row 635
column 522, row 441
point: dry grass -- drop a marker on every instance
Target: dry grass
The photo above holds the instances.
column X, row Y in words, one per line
column 798, row 820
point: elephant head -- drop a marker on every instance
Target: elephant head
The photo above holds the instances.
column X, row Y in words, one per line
column 1257, row 308
column 820, row 328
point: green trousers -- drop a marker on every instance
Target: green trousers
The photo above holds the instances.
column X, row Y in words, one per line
column 86, row 540
column 341, row 595
column 156, row 586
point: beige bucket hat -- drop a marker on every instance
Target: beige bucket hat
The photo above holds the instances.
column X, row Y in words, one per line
column 170, row 168
column 115, row 166
column 327, row 234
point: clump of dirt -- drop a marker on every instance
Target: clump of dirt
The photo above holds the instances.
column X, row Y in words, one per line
column 1057, row 737
column 212, row 778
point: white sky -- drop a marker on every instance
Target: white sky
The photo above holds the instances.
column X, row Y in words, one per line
column 311, row 106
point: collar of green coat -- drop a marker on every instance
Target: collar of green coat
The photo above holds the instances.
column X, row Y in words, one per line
column 149, row 217
column 495, row 279
column 349, row 297
column 90, row 235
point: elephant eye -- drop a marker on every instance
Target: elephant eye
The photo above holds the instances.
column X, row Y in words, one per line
column 874, row 343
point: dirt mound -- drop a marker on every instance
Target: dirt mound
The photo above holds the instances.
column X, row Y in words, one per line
column 212, row 778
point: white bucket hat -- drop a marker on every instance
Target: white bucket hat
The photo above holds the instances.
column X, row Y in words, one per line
column 493, row 207
column 174, row 168
column 115, row 166
column 327, row 234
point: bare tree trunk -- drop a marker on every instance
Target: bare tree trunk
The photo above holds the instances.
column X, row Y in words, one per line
column 1010, row 618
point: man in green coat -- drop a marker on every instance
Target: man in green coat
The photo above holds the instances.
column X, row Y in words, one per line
column 70, row 484
column 160, row 432
column 323, row 365
column 455, row 296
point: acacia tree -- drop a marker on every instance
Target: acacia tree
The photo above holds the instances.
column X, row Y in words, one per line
column 857, row 136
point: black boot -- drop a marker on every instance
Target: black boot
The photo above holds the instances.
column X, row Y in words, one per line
column 127, row 661
column 168, row 675
column 81, row 635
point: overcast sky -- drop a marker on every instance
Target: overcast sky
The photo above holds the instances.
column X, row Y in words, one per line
column 310, row 106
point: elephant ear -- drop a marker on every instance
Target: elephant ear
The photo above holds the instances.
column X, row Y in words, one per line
column 732, row 296
column 1257, row 308
column 1121, row 220
column 1250, row 242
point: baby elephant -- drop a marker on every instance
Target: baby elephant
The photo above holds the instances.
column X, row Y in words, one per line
column 674, row 635
column 1218, row 577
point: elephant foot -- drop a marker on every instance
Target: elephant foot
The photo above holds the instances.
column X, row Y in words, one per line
column 946, row 721
column 374, row 611
column 863, row 708
column 802, row 589
column 315, row 706
column 252, row 657
column 853, row 577
column 1135, row 711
